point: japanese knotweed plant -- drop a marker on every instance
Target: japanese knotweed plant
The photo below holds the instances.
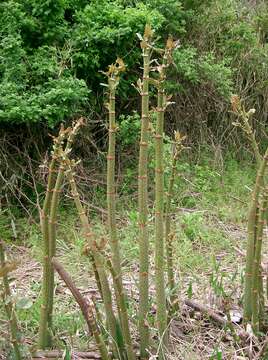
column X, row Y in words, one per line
column 48, row 215
column 113, row 75
column 253, row 291
column 169, row 236
column 146, row 46
column 162, row 103
column 118, row 325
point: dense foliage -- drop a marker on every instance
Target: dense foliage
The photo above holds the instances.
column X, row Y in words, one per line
column 52, row 52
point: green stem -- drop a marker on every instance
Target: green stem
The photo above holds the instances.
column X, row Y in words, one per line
column 44, row 334
column 168, row 234
column 52, row 240
column 256, row 278
column 143, row 200
column 111, row 202
column 161, row 312
column 48, row 224
column 9, row 307
column 252, row 226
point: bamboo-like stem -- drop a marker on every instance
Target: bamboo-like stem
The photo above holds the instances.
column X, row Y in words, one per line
column 143, row 198
column 52, row 240
column 252, row 227
column 261, row 301
column 70, row 133
column 255, row 225
column 48, row 223
column 159, row 212
column 86, row 308
column 121, row 303
column 161, row 309
column 89, row 236
column 177, row 148
column 257, row 289
column 113, row 80
column 168, row 235
column 9, row 308
column 44, row 333
column 96, row 274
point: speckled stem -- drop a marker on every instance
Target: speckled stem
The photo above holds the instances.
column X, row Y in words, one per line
column 143, row 201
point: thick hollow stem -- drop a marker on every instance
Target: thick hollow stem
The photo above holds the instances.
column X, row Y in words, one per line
column 9, row 308
column 257, row 289
column 161, row 312
column 251, row 242
column 143, row 201
column 52, row 240
column 168, row 235
column 111, row 203
column 44, row 335
column 48, row 225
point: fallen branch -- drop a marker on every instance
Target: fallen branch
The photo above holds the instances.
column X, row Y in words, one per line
column 75, row 292
column 242, row 334
column 57, row 354
column 86, row 308
column 206, row 311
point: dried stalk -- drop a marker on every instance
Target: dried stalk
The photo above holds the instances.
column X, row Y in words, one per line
column 86, row 308
column 9, row 308
column 58, row 354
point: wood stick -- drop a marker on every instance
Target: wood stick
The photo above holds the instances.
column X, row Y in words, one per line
column 86, row 308
column 75, row 292
column 242, row 334
column 55, row 354
column 207, row 311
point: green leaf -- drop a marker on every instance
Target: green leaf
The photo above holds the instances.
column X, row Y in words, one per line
column 24, row 303
column 67, row 354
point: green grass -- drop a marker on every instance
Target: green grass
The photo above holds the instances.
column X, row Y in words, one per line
column 209, row 212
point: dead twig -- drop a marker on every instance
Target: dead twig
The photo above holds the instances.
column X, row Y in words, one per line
column 57, row 354
column 75, row 292
column 242, row 334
